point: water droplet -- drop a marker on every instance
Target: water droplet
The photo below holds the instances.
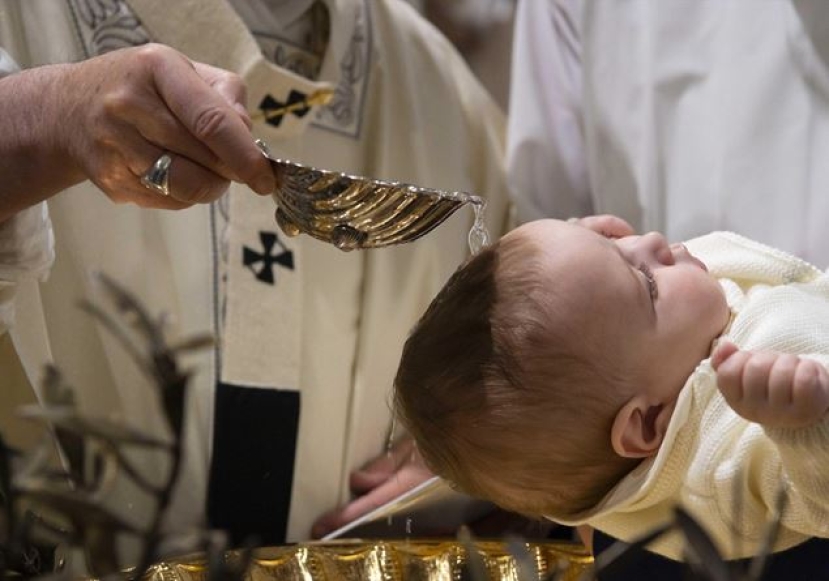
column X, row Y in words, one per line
column 478, row 235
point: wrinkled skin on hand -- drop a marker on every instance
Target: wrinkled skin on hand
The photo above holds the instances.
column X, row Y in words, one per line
column 109, row 118
column 128, row 107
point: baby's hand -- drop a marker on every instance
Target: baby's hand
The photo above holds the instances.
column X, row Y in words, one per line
column 776, row 390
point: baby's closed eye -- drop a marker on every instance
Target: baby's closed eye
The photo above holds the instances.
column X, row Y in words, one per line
column 653, row 289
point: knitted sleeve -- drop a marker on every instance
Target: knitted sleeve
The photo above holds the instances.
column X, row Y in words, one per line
column 804, row 457
column 751, row 460
column 748, row 262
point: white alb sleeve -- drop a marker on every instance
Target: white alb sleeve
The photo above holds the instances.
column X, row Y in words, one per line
column 546, row 161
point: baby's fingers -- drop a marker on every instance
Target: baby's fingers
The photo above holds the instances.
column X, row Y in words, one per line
column 773, row 389
column 743, row 379
column 723, row 351
column 810, row 393
column 781, row 381
column 729, row 363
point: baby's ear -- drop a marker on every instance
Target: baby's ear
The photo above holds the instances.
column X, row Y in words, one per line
column 639, row 428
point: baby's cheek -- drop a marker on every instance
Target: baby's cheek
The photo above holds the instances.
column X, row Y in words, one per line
column 717, row 307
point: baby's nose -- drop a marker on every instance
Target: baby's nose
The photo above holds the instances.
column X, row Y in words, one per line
column 657, row 247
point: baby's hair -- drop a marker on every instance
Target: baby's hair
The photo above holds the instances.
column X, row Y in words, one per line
column 503, row 400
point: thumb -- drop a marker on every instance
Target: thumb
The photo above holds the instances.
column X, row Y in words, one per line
column 722, row 352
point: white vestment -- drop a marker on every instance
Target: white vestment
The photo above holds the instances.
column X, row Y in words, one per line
column 682, row 117
column 406, row 109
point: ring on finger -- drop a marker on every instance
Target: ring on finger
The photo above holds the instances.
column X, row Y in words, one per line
column 157, row 178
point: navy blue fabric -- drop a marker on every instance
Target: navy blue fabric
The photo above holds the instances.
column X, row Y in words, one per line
column 252, row 468
column 806, row 562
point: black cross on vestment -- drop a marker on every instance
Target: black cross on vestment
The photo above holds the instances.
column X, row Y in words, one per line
column 269, row 105
column 261, row 263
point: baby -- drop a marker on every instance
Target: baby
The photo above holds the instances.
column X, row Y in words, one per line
column 567, row 372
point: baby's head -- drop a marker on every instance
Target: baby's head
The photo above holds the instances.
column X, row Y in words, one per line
column 548, row 366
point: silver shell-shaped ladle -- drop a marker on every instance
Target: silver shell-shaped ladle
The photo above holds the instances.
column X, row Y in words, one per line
column 353, row 212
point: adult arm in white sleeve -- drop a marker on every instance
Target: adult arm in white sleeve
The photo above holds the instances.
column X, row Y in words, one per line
column 545, row 148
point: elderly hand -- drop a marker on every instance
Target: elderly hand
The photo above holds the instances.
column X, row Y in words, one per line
column 110, row 118
column 776, row 390
column 131, row 106
column 380, row 481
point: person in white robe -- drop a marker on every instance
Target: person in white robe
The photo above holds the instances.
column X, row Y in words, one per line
column 55, row 131
column 680, row 117
column 312, row 332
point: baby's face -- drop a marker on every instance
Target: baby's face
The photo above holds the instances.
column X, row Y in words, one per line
column 650, row 308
